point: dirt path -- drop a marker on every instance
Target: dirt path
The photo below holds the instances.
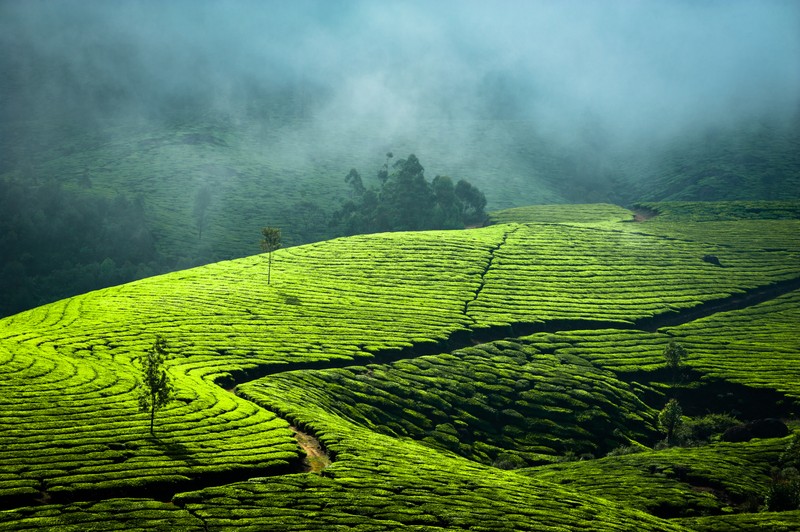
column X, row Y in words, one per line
column 316, row 458
column 642, row 215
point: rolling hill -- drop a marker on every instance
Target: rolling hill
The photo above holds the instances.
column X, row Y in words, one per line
column 134, row 200
column 500, row 378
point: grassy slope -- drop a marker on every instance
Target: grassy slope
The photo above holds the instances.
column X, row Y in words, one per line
column 258, row 171
column 282, row 170
column 347, row 300
column 757, row 161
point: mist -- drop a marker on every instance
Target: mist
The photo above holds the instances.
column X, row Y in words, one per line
column 632, row 70
column 141, row 136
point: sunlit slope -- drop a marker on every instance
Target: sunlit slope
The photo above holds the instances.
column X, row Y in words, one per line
column 553, row 272
column 672, row 482
column 68, row 386
column 755, row 346
column 281, row 172
column 548, row 214
column 71, row 425
column 384, row 482
column 69, row 377
column 502, row 403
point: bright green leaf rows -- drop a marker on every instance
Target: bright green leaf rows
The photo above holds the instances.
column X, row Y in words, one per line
column 502, row 403
column 554, row 272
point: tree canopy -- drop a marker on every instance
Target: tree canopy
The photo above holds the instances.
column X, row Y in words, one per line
column 270, row 242
column 156, row 389
column 406, row 201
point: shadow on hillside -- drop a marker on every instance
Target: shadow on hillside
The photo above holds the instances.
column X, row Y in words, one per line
column 175, row 450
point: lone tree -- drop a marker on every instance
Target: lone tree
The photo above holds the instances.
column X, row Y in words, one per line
column 157, row 389
column 270, row 242
column 674, row 353
column 669, row 418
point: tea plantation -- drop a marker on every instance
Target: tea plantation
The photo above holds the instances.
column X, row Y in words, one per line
column 502, row 378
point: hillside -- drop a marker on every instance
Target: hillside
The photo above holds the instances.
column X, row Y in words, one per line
column 500, row 378
column 91, row 206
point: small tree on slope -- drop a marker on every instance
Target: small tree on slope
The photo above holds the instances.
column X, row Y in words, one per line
column 156, row 391
column 670, row 418
column 674, row 355
column 270, row 242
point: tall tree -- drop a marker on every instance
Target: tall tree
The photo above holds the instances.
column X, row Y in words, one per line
column 674, row 353
column 473, row 202
column 156, row 389
column 670, row 418
column 270, row 242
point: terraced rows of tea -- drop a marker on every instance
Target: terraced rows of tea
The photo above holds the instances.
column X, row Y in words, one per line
column 503, row 403
column 366, row 343
column 555, row 272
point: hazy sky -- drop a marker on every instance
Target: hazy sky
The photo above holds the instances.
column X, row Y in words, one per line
column 628, row 68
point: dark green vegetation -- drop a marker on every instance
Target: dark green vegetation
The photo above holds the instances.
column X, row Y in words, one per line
column 84, row 208
column 156, row 389
column 270, row 242
column 502, row 378
column 57, row 242
column 406, row 201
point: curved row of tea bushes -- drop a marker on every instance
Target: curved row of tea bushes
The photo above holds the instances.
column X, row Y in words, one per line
column 762, row 521
column 70, row 379
column 564, row 213
column 674, row 482
column 501, row 403
column 558, row 272
column 113, row 514
column 334, row 300
column 72, row 426
column 756, row 346
column 767, row 235
column 381, row 482
column 738, row 225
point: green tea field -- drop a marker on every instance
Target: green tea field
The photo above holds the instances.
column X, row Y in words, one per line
column 503, row 378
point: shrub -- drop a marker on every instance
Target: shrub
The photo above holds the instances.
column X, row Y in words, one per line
column 783, row 493
column 704, row 428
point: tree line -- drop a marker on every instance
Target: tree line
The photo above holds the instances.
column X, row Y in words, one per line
column 404, row 200
column 57, row 242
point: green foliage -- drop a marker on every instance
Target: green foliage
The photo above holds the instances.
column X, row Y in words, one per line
column 694, row 430
column 501, row 403
column 783, row 493
column 413, row 441
column 674, row 354
column 270, row 242
column 676, row 481
column 57, row 242
column 669, row 418
column 567, row 213
column 156, row 388
column 406, row 201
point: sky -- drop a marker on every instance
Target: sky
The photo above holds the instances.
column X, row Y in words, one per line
column 625, row 68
